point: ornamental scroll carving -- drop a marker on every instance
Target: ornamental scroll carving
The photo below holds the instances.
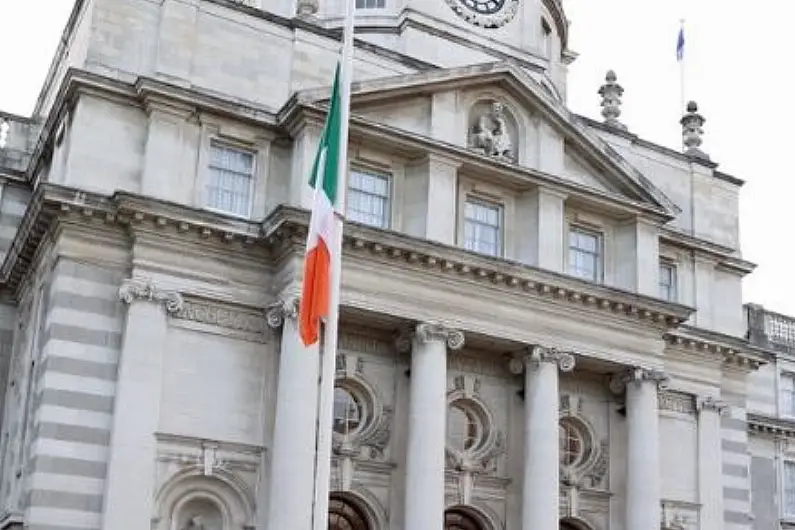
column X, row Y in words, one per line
column 144, row 289
column 536, row 355
column 431, row 332
column 637, row 375
column 277, row 312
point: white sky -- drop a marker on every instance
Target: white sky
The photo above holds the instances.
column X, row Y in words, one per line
column 734, row 50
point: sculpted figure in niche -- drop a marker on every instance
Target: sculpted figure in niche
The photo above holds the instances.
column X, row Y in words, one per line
column 491, row 134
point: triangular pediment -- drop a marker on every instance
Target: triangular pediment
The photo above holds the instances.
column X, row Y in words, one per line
column 468, row 107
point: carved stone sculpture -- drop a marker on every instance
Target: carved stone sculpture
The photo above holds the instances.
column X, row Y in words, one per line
column 611, row 93
column 692, row 131
column 491, row 135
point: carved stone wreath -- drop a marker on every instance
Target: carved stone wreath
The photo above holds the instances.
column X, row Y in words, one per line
column 370, row 439
column 485, row 13
column 590, row 470
column 482, row 458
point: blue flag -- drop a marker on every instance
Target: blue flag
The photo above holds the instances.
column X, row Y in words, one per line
column 680, row 45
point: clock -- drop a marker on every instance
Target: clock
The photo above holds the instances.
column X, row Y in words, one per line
column 485, row 13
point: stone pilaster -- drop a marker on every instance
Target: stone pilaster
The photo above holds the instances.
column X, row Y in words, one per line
column 643, row 446
column 710, row 472
column 290, row 493
column 427, row 423
column 541, row 478
column 133, row 448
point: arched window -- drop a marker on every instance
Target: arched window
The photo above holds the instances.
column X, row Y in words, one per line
column 455, row 519
column 344, row 515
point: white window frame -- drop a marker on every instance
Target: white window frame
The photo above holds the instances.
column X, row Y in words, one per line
column 371, row 9
column 488, row 203
column 786, row 515
column 390, row 182
column 674, row 287
column 785, row 374
column 546, row 38
column 208, row 172
column 600, row 252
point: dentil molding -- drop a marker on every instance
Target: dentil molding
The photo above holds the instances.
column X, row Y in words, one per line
column 144, row 289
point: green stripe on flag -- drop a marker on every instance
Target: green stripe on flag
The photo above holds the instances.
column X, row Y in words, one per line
column 330, row 143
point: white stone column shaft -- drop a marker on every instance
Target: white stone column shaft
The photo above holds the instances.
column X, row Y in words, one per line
column 643, row 450
column 541, row 477
column 129, row 487
column 710, row 472
column 425, row 457
column 292, row 470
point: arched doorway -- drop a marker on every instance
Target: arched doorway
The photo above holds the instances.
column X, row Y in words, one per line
column 565, row 525
column 457, row 519
column 345, row 515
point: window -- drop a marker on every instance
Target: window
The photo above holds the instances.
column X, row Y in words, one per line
column 668, row 282
column 788, row 394
column 231, row 178
column 483, row 227
column 347, row 412
column 789, row 489
column 368, row 199
column 464, row 432
column 370, row 4
column 585, row 254
column 546, row 39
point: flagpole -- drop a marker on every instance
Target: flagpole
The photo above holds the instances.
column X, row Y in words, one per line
column 682, row 71
column 330, row 326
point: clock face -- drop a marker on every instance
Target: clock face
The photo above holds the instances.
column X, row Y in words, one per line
column 485, row 13
column 484, row 7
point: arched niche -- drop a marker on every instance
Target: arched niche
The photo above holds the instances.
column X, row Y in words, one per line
column 193, row 501
column 493, row 129
column 574, row 523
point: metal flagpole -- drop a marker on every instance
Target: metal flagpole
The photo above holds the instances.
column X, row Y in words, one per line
column 328, row 345
column 681, row 56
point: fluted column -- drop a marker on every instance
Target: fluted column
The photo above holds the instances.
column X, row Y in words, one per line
column 643, row 446
column 290, row 491
column 427, row 423
column 129, row 486
column 710, row 472
column 541, row 476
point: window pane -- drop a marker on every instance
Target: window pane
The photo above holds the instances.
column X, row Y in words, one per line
column 584, row 255
column 368, row 199
column 230, row 179
column 789, row 489
column 483, row 227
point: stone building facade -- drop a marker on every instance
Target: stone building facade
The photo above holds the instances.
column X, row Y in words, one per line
column 542, row 323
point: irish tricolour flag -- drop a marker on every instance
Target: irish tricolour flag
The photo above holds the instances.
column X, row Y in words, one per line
column 320, row 246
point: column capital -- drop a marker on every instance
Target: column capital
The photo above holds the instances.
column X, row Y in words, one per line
column 425, row 332
column 709, row 403
column 144, row 289
column 281, row 309
column 638, row 375
column 535, row 355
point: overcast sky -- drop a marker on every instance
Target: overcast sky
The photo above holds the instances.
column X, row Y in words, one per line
column 737, row 68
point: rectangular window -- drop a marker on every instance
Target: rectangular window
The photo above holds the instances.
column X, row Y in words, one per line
column 230, row 180
column 483, row 227
column 370, row 4
column 368, row 199
column 585, row 254
column 789, row 489
column 788, row 394
column 668, row 282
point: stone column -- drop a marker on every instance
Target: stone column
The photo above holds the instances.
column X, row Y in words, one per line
column 129, row 487
column 292, row 458
column 427, row 424
column 541, row 476
column 710, row 469
column 643, row 446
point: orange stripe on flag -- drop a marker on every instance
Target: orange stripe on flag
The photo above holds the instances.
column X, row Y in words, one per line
column 315, row 292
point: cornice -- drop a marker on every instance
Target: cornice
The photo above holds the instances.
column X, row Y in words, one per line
column 730, row 351
column 723, row 255
column 769, row 426
column 286, row 228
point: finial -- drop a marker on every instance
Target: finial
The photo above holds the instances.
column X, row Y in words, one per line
column 306, row 7
column 692, row 123
column 4, row 128
column 611, row 93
